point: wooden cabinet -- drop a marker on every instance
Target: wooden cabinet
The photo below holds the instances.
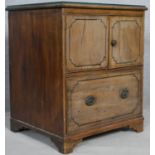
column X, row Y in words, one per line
column 76, row 69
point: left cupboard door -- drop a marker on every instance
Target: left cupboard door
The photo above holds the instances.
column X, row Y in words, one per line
column 86, row 42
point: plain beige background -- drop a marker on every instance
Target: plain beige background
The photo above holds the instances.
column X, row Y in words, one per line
column 113, row 143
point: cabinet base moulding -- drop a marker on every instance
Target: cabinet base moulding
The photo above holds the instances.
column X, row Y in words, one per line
column 15, row 126
column 138, row 127
column 66, row 145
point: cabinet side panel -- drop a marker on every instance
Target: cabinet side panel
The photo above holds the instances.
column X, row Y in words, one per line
column 36, row 68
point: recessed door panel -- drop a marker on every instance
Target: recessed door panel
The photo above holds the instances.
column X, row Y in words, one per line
column 86, row 42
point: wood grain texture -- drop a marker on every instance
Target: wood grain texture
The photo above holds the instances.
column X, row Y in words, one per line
column 86, row 42
column 127, row 32
column 98, row 129
column 138, row 127
column 36, row 68
column 102, row 12
column 65, row 146
column 102, row 88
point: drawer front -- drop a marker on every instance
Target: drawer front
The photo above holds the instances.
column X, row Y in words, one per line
column 126, row 39
column 106, row 98
column 86, row 42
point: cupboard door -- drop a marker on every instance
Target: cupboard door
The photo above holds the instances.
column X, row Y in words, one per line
column 126, row 41
column 86, row 42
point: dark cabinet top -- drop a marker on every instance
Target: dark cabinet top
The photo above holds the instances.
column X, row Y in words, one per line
column 75, row 5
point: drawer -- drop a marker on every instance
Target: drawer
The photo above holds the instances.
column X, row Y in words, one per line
column 86, row 42
column 103, row 98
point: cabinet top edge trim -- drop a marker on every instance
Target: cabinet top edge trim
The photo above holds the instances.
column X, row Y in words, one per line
column 84, row 5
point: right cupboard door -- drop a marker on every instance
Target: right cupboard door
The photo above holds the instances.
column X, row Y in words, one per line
column 126, row 41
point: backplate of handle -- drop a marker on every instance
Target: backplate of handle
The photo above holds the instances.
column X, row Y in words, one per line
column 90, row 100
column 124, row 93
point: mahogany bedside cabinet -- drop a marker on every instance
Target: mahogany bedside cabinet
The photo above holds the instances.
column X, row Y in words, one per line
column 76, row 69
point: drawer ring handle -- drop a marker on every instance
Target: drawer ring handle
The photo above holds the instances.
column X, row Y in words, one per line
column 90, row 100
column 124, row 93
